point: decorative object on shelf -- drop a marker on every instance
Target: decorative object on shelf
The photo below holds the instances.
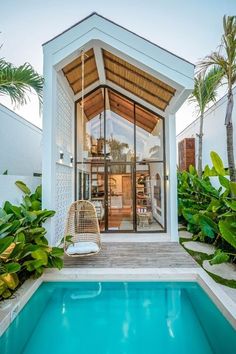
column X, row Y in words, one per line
column 144, row 200
column 141, row 179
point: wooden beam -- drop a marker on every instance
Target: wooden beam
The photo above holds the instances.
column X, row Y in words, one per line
column 100, row 64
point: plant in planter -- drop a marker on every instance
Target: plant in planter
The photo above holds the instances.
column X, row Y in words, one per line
column 24, row 249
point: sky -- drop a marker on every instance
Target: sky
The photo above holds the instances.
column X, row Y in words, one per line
column 188, row 28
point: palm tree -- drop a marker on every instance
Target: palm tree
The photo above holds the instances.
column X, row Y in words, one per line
column 225, row 59
column 16, row 82
column 204, row 92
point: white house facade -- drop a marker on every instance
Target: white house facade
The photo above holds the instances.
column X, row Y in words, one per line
column 109, row 136
column 214, row 138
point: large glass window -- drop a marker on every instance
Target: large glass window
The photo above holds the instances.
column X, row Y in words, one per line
column 90, row 127
column 149, row 135
column 120, row 162
column 119, row 128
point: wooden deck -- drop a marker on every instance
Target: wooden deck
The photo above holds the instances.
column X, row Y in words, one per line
column 135, row 255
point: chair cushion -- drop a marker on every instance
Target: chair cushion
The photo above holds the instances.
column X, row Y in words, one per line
column 83, row 247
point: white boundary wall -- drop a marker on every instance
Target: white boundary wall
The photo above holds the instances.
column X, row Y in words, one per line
column 214, row 138
column 20, row 145
column 9, row 191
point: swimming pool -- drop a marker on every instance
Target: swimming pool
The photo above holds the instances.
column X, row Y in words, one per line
column 119, row 318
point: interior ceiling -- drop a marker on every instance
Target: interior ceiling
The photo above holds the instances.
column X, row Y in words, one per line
column 128, row 77
column 94, row 105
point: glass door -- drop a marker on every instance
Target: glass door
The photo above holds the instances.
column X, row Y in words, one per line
column 120, row 200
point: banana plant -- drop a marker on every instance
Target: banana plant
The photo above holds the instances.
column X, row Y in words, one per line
column 210, row 212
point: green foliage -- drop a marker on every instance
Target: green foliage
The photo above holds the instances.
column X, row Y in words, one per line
column 24, row 249
column 205, row 88
column 209, row 212
column 219, row 257
column 16, row 82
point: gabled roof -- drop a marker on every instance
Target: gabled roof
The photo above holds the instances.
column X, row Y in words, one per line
column 116, row 24
column 121, row 59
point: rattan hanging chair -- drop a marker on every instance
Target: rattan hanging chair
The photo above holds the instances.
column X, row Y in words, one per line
column 82, row 225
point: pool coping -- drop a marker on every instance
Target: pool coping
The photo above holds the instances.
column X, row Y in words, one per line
column 9, row 309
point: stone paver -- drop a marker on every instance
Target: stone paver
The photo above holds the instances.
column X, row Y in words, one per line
column 185, row 234
column 200, row 247
column 224, row 270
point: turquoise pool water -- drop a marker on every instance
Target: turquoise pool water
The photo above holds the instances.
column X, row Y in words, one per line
column 119, row 318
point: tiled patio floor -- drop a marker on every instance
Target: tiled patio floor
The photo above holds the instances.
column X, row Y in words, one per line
column 135, row 255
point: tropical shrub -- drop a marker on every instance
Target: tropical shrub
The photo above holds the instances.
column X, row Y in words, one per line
column 24, row 249
column 209, row 212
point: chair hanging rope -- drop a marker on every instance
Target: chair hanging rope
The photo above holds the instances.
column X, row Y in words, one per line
column 82, row 121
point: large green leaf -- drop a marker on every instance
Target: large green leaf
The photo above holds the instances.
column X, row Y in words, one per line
column 4, row 230
column 27, row 201
column 12, row 267
column 38, row 193
column 5, row 243
column 33, row 264
column 28, row 249
column 56, row 262
column 208, row 226
column 231, row 204
column 190, row 215
column 228, row 231
column 219, row 257
column 57, row 252
column 233, row 188
column 30, row 215
column 40, row 255
column 23, row 187
column 217, row 163
column 224, row 182
column 207, row 187
column 36, row 205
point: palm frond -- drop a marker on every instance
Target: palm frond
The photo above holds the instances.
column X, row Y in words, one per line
column 225, row 56
column 17, row 82
column 205, row 87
